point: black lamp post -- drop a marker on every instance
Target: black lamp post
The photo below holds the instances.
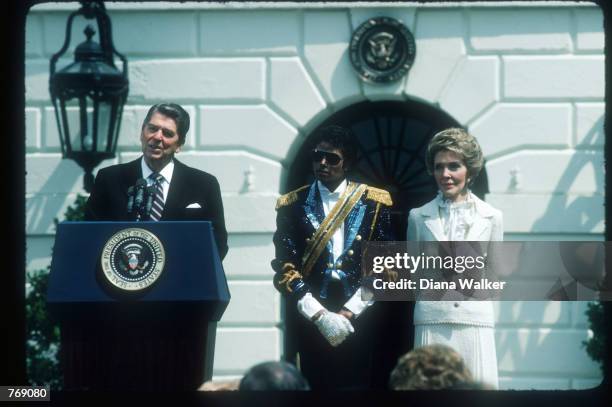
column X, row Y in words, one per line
column 88, row 95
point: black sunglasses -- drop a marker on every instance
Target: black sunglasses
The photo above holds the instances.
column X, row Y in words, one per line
column 330, row 158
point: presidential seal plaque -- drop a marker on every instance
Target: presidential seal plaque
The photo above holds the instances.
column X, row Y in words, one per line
column 133, row 259
column 382, row 50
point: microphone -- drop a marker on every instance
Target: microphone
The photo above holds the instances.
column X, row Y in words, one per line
column 140, row 187
column 150, row 192
column 130, row 203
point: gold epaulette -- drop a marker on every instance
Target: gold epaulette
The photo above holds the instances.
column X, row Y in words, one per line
column 289, row 197
column 379, row 195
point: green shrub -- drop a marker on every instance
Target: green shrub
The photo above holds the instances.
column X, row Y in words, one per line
column 43, row 338
column 596, row 345
column 43, row 333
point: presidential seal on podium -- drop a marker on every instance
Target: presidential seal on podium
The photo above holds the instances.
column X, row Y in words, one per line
column 133, row 259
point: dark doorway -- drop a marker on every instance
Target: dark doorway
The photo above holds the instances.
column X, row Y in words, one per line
column 392, row 139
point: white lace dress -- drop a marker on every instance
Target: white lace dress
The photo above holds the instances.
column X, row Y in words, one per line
column 466, row 326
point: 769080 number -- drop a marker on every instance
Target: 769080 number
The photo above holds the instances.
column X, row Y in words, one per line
column 24, row 393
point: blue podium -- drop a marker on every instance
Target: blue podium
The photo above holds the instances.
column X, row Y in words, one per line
column 138, row 304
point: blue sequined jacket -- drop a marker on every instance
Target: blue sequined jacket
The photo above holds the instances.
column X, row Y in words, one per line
column 299, row 214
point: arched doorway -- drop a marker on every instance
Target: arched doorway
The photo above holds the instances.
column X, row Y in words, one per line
column 392, row 138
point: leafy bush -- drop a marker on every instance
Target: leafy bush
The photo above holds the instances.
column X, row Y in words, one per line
column 43, row 333
column 596, row 344
column 76, row 211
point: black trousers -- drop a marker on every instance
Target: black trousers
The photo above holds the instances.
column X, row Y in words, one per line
column 383, row 332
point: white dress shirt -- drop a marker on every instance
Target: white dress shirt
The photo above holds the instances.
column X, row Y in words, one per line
column 329, row 200
column 166, row 174
column 308, row 306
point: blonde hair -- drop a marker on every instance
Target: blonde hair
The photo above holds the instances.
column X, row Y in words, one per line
column 460, row 142
column 430, row 367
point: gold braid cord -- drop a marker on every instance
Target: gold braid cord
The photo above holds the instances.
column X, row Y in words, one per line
column 374, row 221
column 380, row 196
column 288, row 266
column 330, row 224
column 289, row 275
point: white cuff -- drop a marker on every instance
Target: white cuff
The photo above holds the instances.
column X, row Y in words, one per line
column 308, row 306
column 356, row 305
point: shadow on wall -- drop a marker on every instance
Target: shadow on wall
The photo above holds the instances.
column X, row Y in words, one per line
column 542, row 352
column 578, row 215
column 51, row 198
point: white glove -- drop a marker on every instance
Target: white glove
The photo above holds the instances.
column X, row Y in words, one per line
column 334, row 327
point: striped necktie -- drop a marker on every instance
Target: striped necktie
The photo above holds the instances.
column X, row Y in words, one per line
column 158, row 200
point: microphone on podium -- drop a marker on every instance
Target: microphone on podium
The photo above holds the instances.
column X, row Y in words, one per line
column 150, row 194
column 130, row 203
column 140, row 186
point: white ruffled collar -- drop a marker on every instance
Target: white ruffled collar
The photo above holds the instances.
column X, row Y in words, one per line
column 447, row 203
column 456, row 217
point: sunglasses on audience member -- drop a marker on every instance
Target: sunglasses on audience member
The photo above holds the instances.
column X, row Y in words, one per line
column 330, row 158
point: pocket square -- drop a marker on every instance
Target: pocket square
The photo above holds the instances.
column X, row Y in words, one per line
column 194, row 205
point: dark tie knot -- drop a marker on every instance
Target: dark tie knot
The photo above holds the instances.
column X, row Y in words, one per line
column 156, row 177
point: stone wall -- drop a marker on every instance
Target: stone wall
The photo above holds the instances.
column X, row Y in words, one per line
column 528, row 81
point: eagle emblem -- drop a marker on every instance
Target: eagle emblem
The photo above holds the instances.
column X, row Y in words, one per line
column 132, row 259
column 382, row 50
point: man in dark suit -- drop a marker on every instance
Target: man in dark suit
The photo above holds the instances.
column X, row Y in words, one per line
column 185, row 193
column 320, row 231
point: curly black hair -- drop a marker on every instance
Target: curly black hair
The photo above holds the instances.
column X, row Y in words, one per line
column 339, row 137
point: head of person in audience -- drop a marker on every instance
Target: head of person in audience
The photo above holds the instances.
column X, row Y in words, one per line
column 429, row 367
column 220, row 385
column 273, row 376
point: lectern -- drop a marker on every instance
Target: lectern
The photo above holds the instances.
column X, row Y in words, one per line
column 138, row 304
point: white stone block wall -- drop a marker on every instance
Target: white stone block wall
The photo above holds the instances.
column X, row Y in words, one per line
column 527, row 81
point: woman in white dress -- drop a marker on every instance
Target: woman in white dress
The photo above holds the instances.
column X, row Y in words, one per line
column 454, row 158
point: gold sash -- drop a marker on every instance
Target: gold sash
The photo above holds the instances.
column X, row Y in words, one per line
column 330, row 224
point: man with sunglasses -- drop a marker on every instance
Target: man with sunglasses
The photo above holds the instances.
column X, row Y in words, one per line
column 182, row 192
column 320, row 231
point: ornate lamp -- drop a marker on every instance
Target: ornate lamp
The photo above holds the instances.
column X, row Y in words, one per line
column 88, row 95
